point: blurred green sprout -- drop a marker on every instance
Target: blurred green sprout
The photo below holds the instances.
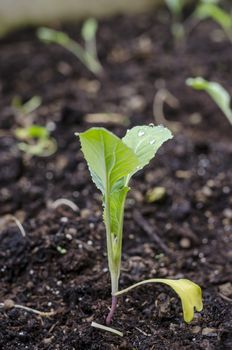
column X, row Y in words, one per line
column 217, row 92
column 176, row 8
column 87, row 55
column 36, row 141
column 27, row 107
column 209, row 9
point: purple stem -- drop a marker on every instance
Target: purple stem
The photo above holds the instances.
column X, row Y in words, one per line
column 112, row 310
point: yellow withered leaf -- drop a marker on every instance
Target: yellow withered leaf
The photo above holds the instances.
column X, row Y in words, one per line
column 189, row 292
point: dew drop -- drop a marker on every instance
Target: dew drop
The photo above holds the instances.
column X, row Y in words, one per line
column 151, row 125
column 152, row 142
column 141, row 133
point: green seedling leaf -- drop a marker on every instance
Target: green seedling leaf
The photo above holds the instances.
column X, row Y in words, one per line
column 108, row 158
column 219, row 95
column 210, row 10
column 27, row 107
column 189, row 293
column 38, row 141
column 89, row 29
column 43, row 148
column 34, row 131
column 145, row 142
column 48, row 35
column 175, row 6
column 117, row 200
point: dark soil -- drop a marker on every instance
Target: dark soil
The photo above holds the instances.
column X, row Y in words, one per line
column 62, row 263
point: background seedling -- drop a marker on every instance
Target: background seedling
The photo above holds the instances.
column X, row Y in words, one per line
column 176, row 9
column 88, row 32
column 37, row 141
column 219, row 95
column 27, row 107
column 211, row 10
column 87, row 55
column 112, row 162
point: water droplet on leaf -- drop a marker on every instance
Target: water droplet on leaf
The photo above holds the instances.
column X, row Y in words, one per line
column 152, row 142
column 141, row 133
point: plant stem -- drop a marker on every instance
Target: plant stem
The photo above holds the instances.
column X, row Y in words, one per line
column 114, row 267
column 114, row 250
column 112, row 310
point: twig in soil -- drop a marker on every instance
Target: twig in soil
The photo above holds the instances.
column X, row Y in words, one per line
column 144, row 225
column 161, row 97
column 10, row 217
column 141, row 331
column 108, row 329
column 67, row 202
column 9, row 304
column 225, row 297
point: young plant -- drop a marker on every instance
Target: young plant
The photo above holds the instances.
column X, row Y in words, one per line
column 88, row 33
column 176, row 9
column 209, row 9
column 219, row 95
column 37, row 141
column 27, row 107
column 87, row 55
column 112, row 162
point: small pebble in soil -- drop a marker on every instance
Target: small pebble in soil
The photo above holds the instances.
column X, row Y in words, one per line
column 64, row 220
column 227, row 213
column 72, row 231
column 226, row 189
column 226, row 289
column 48, row 340
column 196, row 329
column 8, row 304
column 68, row 236
column 85, row 213
column 51, row 126
column 209, row 332
column 185, row 243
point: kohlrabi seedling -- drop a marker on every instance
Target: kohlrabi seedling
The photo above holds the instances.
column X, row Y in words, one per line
column 210, row 10
column 112, row 162
column 88, row 32
column 176, row 9
column 87, row 55
column 37, row 141
column 27, row 107
column 219, row 95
